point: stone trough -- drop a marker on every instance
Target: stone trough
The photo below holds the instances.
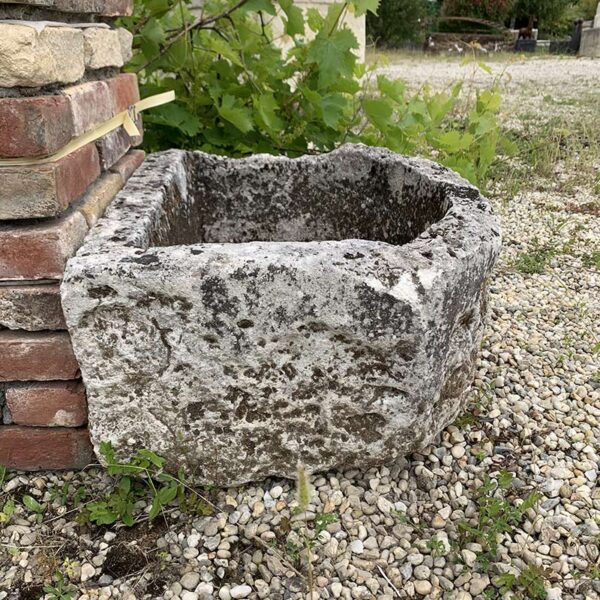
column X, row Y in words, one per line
column 237, row 316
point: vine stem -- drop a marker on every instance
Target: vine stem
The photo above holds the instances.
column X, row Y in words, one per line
column 197, row 24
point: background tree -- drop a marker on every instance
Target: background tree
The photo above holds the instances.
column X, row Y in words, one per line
column 398, row 21
column 493, row 10
column 541, row 12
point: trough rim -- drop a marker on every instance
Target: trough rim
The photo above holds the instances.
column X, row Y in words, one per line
column 122, row 231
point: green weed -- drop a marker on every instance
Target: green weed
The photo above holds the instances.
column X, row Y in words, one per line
column 496, row 515
column 535, row 261
column 322, row 520
column 142, row 477
column 528, row 585
column 60, row 589
column 35, row 507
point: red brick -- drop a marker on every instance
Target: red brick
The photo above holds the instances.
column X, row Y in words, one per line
column 128, row 164
column 124, row 91
column 91, row 103
column 34, row 126
column 47, row 190
column 40, row 250
column 115, row 145
column 41, row 125
column 48, row 404
column 33, row 448
column 31, row 307
column 34, row 356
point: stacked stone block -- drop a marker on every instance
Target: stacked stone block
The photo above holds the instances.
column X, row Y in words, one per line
column 59, row 79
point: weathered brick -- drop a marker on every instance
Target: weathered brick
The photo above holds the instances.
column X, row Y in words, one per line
column 91, row 103
column 47, row 404
column 99, row 197
column 107, row 8
column 35, row 448
column 41, row 125
column 34, row 126
column 114, row 145
column 40, row 250
column 47, row 190
column 36, row 356
column 31, row 307
column 124, row 91
column 128, row 164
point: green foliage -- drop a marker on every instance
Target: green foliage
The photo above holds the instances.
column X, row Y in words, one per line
column 528, row 585
column 587, row 8
column 238, row 92
column 493, row 10
column 322, row 520
column 496, row 515
column 543, row 11
column 437, row 547
column 141, row 478
column 60, row 589
column 535, row 261
column 398, row 21
column 34, row 506
column 8, row 510
column 591, row 260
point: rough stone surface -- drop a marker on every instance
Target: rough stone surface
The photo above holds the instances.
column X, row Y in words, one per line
column 126, row 44
column 242, row 315
column 32, row 58
column 47, row 404
column 31, row 307
column 102, row 48
column 33, row 448
column 45, row 356
column 40, row 250
column 41, row 125
column 47, row 190
column 590, row 43
column 107, row 8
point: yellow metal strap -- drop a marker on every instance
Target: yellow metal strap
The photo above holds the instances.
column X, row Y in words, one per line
column 126, row 118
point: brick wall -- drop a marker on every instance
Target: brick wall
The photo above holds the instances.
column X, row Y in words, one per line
column 57, row 81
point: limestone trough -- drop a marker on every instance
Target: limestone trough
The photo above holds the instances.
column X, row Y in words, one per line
column 237, row 316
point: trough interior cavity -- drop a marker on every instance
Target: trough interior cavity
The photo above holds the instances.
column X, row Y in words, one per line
column 235, row 201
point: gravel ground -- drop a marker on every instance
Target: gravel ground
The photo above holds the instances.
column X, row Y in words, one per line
column 401, row 531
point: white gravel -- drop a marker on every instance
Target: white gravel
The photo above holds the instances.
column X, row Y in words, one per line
column 535, row 412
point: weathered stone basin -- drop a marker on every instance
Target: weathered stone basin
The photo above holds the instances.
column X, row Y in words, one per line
column 240, row 315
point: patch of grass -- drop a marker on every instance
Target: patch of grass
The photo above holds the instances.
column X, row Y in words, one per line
column 591, row 260
column 569, row 142
column 535, row 261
